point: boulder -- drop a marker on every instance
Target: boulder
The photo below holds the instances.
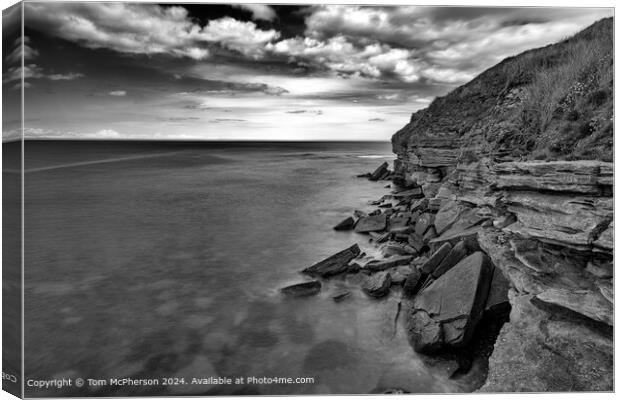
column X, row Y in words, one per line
column 445, row 314
column 413, row 283
column 378, row 285
column 447, row 216
column 385, row 205
column 399, row 249
column 345, row 225
column 458, row 252
column 423, row 223
column 504, row 221
column 359, row 214
column 386, row 263
column 437, row 257
column 335, row 264
column 372, row 223
column 302, row 289
column 379, row 172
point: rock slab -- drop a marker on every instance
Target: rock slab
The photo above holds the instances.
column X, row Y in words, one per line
column 445, row 314
column 302, row 289
column 335, row 264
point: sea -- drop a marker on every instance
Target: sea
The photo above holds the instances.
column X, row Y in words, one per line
column 161, row 262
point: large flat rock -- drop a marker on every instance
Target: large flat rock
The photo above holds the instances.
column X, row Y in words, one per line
column 371, row 223
column 445, row 313
column 335, row 264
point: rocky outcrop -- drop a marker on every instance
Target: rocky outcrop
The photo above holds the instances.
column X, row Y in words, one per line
column 546, row 225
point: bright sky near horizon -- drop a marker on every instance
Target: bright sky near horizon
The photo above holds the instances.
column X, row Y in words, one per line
column 254, row 72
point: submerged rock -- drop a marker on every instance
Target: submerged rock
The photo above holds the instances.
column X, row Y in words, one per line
column 341, row 295
column 371, row 223
column 445, row 314
column 345, row 225
column 378, row 285
column 302, row 289
column 335, row 264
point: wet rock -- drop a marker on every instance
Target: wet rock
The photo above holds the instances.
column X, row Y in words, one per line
column 445, row 314
column 386, row 205
column 423, row 223
column 374, row 213
column 456, row 254
column 345, row 225
column 335, row 264
column 379, row 172
column 341, row 295
column 386, row 263
column 302, row 289
column 372, row 223
column 413, row 283
column 437, row 257
column 378, row 285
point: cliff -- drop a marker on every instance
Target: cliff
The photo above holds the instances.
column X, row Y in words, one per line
column 520, row 160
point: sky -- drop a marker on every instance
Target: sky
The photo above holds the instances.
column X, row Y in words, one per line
column 254, row 72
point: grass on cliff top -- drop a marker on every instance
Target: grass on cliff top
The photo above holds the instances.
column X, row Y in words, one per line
column 550, row 103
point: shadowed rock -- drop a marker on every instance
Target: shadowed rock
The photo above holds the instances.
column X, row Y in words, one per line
column 423, row 223
column 413, row 283
column 455, row 255
column 445, row 314
column 346, row 224
column 334, row 265
column 437, row 257
column 302, row 289
column 497, row 301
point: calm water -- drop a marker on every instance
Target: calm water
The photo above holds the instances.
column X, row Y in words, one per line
column 163, row 260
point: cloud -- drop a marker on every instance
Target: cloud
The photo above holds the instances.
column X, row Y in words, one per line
column 376, row 120
column 339, row 54
column 118, row 93
column 315, row 112
column 259, row 11
column 15, row 56
column 448, row 44
column 241, row 36
column 146, row 29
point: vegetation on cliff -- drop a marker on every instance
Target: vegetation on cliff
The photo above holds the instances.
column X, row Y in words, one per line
column 551, row 103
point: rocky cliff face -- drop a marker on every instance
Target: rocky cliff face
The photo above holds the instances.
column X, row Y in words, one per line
column 551, row 234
